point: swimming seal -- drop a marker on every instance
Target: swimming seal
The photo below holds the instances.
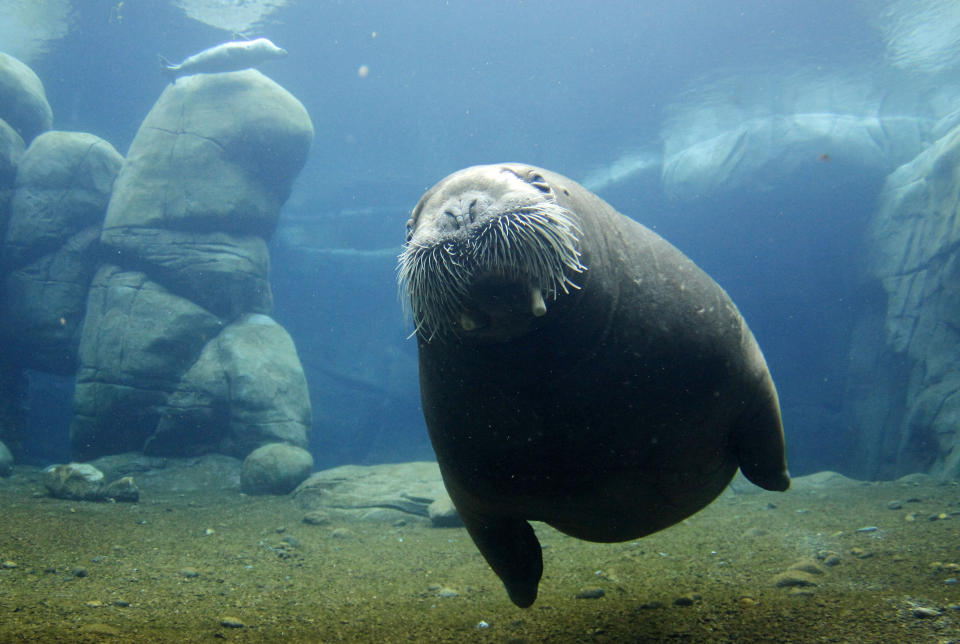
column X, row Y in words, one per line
column 575, row 368
column 225, row 57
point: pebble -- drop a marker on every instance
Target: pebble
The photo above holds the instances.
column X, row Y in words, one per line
column 938, row 517
column 121, row 603
column 446, row 591
column 869, row 528
column 341, row 533
column 860, row 553
column 100, row 629
column 8, row 565
column 189, row 572
column 94, row 603
column 79, row 572
column 316, row 518
column 686, row 600
column 590, row 593
column 650, row 605
column 911, row 516
column 894, row 505
column 808, row 566
column 924, row 612
column 231, row 622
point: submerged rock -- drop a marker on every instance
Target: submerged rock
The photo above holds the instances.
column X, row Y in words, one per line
column 23, row 102
column 74, row 481
column 276, row 468
column 49, row 246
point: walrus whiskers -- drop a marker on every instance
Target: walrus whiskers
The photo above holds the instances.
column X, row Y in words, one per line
column 536, row 244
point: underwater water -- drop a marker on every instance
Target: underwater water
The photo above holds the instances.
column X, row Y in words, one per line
column 799, row 152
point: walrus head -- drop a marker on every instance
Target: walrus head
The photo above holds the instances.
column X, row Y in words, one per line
column 486, row 249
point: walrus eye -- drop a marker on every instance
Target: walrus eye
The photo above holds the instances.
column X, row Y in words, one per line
column 409, row 229
column 540, row 183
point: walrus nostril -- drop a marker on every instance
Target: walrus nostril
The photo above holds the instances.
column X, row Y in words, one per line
column 472, row 211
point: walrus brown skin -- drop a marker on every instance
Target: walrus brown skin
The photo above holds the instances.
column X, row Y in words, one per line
column 624, row 408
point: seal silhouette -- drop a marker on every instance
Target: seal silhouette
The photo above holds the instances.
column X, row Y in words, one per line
column 575, row 368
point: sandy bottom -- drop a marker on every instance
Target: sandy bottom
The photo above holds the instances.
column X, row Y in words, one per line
column 204, row 566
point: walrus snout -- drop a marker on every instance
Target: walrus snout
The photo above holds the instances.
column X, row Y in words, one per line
column 463, row 210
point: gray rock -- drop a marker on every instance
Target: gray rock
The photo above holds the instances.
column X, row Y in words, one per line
column 276, row 468
column 203, row 183
column 137, row 342
column 245, row 389
column 374, row 492
column 43, row 307
column 443, row 514
column 6, row 460
column 820, row 480
column 74, row 481
column 123, row 489
column 915, row 238
column 63, row 186
column 23, row 103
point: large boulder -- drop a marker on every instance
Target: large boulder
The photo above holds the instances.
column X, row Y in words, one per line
column 915, row 238
column 203, row 184
column 245, row 389
column 275, row 468
column 23, row 103
column 138, row 340
column 62, row 188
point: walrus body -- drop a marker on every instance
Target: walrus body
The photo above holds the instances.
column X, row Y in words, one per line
column 610, row 400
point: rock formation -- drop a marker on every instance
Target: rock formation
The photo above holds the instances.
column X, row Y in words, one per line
column 177, row 354
column 916, row 242
column 24, row 113
column 62, row 188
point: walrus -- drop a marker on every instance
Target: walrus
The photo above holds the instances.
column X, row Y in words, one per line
column 575, row 368
column 225, row 57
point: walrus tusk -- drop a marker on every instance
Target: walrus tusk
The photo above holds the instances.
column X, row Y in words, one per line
column 537, row 305
column 467, row 323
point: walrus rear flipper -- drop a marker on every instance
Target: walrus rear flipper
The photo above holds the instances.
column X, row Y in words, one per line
column 758, row 439
column 512, row 550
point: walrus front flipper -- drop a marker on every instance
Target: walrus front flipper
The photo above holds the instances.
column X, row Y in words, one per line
column 758, row 438
column 512, row 550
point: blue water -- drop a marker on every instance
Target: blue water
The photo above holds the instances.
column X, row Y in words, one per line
column 574, row 86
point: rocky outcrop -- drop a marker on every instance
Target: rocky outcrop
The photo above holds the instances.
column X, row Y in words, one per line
column 202, row 187
column 916, row 242
column 246, row 388
column 63, row 185
column 177, row 354
column 376, row 492
column 23, row 102
column 24, row 113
